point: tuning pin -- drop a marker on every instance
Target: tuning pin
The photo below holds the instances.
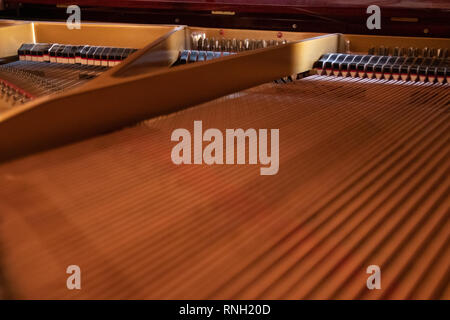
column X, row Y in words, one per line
column 436, row 52
column 264, row 43
column 445, row 53
column 16, row 97
column 234, row 45
column 194, row 42
column 425, row 52
column 371, row 51
column 241, row 45
column 347, row 46
column 410, row 52
column 418, row 52
column 212, row 44
column 433, row 53
column 223, row 45
column 207, row 44
column 381, row 51
column 246, row 44
column 200, row 43
column 396, row 52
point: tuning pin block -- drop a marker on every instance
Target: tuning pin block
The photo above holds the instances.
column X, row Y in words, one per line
column 386, row 67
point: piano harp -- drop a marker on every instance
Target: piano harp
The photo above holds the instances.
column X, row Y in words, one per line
column 86, row 178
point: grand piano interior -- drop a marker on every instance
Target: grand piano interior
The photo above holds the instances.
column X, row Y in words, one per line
column 86, row 176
